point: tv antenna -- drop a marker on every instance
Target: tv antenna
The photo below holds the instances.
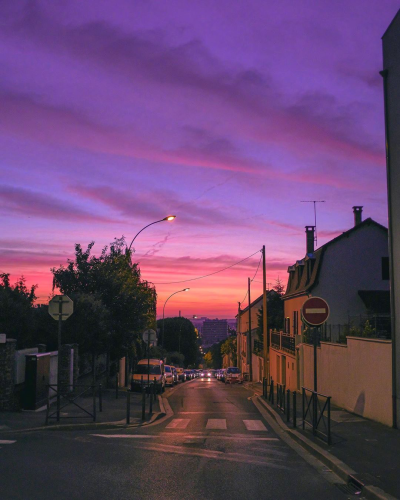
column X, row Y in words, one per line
column 315, row 216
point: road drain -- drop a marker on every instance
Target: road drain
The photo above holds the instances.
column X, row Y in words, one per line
column 349, row 488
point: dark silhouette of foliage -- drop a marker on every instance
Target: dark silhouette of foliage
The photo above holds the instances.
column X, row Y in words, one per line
column 179, row 337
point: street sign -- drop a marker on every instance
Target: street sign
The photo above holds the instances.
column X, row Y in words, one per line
column 149, row 336
column 61, row 307
column 315, row 311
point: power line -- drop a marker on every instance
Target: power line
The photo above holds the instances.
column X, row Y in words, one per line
column 211, row 274
column 258, row 267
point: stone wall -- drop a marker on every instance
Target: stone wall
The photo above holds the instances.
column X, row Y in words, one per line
column 7, row 357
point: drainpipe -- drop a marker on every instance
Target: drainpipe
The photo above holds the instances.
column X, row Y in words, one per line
column 384, row 75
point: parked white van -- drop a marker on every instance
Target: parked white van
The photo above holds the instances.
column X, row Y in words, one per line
column 155, row 371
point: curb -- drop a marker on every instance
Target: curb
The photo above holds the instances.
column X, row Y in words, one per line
column 341, row 469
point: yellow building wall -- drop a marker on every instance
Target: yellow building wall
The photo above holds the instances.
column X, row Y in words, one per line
column 356, row 376
column 292, row 305
column 276, row 368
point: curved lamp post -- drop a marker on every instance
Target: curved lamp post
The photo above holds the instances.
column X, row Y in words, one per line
column 169, row 217
column 163, row 311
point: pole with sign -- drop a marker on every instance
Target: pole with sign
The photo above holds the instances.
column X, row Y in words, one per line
column 315, row 312
column 149, row 336
column 60, row 308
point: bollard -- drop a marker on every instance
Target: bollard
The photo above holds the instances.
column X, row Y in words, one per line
column 155, row 389
column 294, row 409
column 116, row 385
column 94, row 403
column 272, row 392
column 143, row 403
column 100, row 398
column 151, row 400
column 48, row 406
column 288, row 405
column 128, row 407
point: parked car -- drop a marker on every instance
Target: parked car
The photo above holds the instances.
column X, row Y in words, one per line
column 233, row 376
column 181, row 374
column 222, row 375
column 151, row 371
column 169, row 376
column 189, row 374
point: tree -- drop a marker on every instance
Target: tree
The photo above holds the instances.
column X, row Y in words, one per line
column 180, row 337
column 275, row 313
column 208, row 359
column 229, row 348
column 16, row 310
column 112, row 304
column 279, row 287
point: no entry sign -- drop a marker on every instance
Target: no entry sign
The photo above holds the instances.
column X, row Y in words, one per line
column 315, row 311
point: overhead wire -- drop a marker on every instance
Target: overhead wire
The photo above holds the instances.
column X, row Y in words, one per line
column 258, row 267
column 211, row 274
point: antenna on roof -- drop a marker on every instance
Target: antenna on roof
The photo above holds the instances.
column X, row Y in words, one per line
column 315, row 216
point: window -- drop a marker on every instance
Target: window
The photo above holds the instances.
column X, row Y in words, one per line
column 385, row 268
column 154, row 370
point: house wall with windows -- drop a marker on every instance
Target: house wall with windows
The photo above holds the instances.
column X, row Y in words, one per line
column 351, row 264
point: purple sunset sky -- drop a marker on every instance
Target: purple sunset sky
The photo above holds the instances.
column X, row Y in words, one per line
column 226, row 113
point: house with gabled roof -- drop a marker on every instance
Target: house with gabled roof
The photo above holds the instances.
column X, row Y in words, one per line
column 351, row 272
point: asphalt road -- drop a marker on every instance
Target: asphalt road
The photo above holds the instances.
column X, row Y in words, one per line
column 216, row 445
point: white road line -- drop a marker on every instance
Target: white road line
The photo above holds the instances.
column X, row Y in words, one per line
column 254, row 425
column 233, row 438
column 216, row 423
column 178, row 423
column 124, row 436
column 7, row 441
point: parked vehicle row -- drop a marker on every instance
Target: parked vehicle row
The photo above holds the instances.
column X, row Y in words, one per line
column 154, row 371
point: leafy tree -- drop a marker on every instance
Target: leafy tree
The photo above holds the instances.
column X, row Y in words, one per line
column 16, row 310
column 179, row 337
column 275, row 313
column 279, row 287
column 112, row 304
column 208, row 359
column 229, row 348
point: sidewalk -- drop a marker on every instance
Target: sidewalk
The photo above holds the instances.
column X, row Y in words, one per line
column 113, row 415
column 363, row 452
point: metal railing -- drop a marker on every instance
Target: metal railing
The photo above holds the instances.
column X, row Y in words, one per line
column 316, row 413
column 66, row 398
column 280, row 397
column 283, row 341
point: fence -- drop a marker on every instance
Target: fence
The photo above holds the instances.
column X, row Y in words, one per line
column 66, row 398
column 315, row 411
column 283, row 341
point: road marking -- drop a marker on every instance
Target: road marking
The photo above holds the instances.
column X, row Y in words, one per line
column 233, row 438
column 7, row 441
column 254, row 425
column 216, row 423
column 218, row 455
column 178, row 423
column 124, row 436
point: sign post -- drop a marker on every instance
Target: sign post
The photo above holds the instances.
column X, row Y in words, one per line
column 315, row 312
column 60, row 308
column 149, row 336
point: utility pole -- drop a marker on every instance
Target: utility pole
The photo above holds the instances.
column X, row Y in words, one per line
column 265, row 329
column 238, row 341
column 249, row 346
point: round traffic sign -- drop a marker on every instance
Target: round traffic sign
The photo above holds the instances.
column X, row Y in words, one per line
column 315, row 311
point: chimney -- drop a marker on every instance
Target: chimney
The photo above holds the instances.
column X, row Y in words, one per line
column 310, row 239
column 357, row 215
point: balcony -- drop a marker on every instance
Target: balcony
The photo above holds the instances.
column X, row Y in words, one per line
column 283, row 341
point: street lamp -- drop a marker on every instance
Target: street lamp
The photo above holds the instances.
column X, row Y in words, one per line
column 168, row 218
column 163, row 313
